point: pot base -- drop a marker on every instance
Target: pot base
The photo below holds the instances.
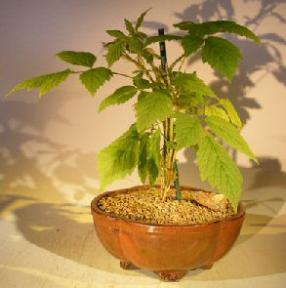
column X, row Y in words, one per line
column 168, row 276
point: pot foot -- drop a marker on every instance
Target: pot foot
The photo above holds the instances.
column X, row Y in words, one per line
column 126, row 265
column 171, row 276
column 207, row 266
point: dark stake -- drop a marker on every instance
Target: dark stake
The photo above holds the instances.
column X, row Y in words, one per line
column 163, row 52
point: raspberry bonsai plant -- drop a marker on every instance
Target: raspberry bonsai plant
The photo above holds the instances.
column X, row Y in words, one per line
column 174, row 109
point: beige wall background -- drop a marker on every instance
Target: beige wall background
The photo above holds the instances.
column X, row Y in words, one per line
column 48, row 146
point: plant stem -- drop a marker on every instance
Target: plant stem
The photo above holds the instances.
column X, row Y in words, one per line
column 182, row 63
column 177, row 61
column 113, row 72
column 177, row 182
column 140, row 65
column 121, row 74
column 167, row 168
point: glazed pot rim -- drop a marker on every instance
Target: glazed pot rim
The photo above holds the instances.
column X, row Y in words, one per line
column 94, row 207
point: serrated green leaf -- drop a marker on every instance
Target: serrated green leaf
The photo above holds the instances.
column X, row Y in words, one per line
column 147, row 55
column 229, row 134
column 190, row 83
column 141, row 19
column 154, row 156
column 191, row 43
column 160, row 38
column 212, row 110
column 189, row 130
column 116, row 33
column 184, row 25
column 190, row 101
column 140, row 35
column 115, row 51
column 134, row 45
column 222, row 55
column 121, row 95
column 231, row 112
column 77, row 58
column 152, row 107
column 143, row 154
column 219, row 169
column 119, row 159
column 142, row 83
column 94, row 78
column 149, row 157
column 212, row 27
column 129, row 26
column 45, row 83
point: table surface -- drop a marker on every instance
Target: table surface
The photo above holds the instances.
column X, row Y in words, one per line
column 49, row 242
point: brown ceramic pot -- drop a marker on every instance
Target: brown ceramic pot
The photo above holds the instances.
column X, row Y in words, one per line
column 168, row 250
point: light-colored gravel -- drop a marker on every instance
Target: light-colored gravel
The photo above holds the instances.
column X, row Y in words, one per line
column 146, row 206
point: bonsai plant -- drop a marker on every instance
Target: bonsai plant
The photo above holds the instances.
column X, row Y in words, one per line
column 174, row 109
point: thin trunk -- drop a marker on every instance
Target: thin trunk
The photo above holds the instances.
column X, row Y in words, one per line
column 169, row 171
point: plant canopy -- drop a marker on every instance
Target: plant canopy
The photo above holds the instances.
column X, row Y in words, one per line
column 174, row 109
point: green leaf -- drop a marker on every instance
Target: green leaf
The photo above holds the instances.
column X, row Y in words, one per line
column 143, row 154
column 219, row 169
column 212, row 27
column 140, row 35
column 141, row 83
column 229, row 134
column 117, row 34
column 77, row 58
column 148, row 55
column 221, row 55
column 94, row 78
column 190, row 83
column 191, row 43
column 189, row 130
column 212, row 110
column 190, row 101
column 154, row 156
column 231, row 112
column 152, row 107
column 114, row 51
column 149, row 157
column 184, row 25
column 121, row 95
column 134, row 45
column 160, row 38
column 141, row 19
column 44, row 82
column 129, row 26
column 119, row 159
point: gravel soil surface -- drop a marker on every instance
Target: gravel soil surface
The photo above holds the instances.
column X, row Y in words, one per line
column 146, row 206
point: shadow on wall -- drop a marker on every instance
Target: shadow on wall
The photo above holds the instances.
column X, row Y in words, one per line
column 33, row 164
